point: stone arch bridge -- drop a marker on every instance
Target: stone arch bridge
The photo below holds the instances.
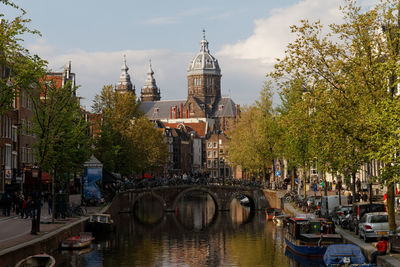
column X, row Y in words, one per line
column 170, row 195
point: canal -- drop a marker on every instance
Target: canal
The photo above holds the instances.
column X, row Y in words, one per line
column 194, row 235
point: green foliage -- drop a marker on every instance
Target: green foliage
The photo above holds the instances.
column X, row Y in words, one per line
column 18, row 68
column 254, row 142
column 62, row 142
column 128, row 142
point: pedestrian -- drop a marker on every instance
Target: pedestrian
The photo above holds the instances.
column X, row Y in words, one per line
column 358, row 185
column 49, row 203
column 381, row 248
column 29, row 208
column 8, row 205
column 24, row 204
column 364, row 197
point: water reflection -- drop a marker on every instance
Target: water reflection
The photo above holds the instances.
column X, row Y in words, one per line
column 195, row 211
column 148, row 209
column 194, row 235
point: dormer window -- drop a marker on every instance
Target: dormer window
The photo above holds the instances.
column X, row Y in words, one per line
column 220, row 107
column 156, row 110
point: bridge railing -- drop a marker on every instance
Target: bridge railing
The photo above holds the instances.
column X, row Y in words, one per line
column 175, row 181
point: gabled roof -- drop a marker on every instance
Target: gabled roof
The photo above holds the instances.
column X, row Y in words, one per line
column 200, row 127
column 224, row 108
column 157, row 110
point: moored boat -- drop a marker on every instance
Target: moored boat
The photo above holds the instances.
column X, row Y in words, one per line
column 345, row 255
column 310, row 237
column 39, row 260
column 100, row 223
column 271, row 212
column 78, row 242
column 281, row 220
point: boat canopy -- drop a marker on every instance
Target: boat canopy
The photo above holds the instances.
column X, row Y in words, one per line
column 335, row 254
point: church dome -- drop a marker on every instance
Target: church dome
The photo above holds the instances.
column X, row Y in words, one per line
column 204, row 62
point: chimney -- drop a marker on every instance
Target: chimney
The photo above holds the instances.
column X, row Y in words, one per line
column 176, row 111
column 181, row 110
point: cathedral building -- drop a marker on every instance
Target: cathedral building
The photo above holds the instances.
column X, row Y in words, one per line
column 204, row 110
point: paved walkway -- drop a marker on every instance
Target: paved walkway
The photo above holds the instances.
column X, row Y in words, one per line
column 15, row 231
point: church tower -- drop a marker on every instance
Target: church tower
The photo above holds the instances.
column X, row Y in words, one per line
column 204, row 79
column 124, row 85
column 150, row 91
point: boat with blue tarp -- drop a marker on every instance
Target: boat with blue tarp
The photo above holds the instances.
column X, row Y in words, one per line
column 310, row 237
column 345, row 255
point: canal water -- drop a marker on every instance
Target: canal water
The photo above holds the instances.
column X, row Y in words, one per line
column 194, row 235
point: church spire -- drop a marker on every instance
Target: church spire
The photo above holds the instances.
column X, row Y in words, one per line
column 204, row 43
column 125, row 85
column 150, row 91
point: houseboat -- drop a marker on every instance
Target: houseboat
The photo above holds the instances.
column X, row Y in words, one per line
column 39, row 260
column 100, row 223
column 310, row 237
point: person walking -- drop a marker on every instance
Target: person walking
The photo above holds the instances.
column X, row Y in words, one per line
column 49, row 203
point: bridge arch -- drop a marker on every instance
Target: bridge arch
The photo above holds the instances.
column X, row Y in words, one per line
column 214, row 197
column 143, row 194
column 250, row 196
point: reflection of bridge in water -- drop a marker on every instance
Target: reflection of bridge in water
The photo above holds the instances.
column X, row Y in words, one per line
column 169, row 196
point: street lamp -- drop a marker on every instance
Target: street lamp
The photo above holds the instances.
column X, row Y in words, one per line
column 36, row 202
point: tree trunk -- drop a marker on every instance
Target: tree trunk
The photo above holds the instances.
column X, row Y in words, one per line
column 292, row 183
column 325, row 185
column 304, row 183
column 390, row 207
column 353, row 186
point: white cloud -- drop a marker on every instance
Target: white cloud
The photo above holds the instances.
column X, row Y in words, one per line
column 243, row 64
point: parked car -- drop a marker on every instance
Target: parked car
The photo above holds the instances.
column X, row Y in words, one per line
column 329, row 203
column 373, row 225
column 340, row 213
column 359, row 209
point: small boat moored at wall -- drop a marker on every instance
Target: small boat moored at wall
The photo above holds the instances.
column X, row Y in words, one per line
column 78, row 242
column 271, row 212
column 310, row 237
column 39, row 260
column 345, row 255
column 100, row 223
column 281, row 220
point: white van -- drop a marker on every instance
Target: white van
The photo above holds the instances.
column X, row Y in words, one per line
column 329, row 203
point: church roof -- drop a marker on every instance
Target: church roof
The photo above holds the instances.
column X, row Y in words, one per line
column 204, row 62
column 199, row 127
column 157, row 110
column 224, row 108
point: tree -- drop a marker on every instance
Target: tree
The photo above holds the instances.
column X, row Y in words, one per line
column 347, row 71
column 254, row 142
column 128, row 141
column 18, row 68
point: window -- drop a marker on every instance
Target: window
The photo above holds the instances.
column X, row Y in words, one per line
column 14, row 160
column 156, row 110
column 215, row 173
column 215, row 164
column 209, row 145
column 14, row 134
column 215, row 154
column 215, row 144
column 209, row 155
column 209, row 165
column 221, row 151
column 7, row 159
column 220, row 107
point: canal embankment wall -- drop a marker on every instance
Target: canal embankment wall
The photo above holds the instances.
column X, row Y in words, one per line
column 47, row 243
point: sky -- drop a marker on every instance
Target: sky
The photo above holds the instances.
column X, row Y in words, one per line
column 245, row 36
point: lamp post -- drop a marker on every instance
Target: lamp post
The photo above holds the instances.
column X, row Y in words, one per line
column 36, row 173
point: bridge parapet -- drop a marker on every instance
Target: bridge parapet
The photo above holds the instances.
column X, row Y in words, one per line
column 170, row 195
